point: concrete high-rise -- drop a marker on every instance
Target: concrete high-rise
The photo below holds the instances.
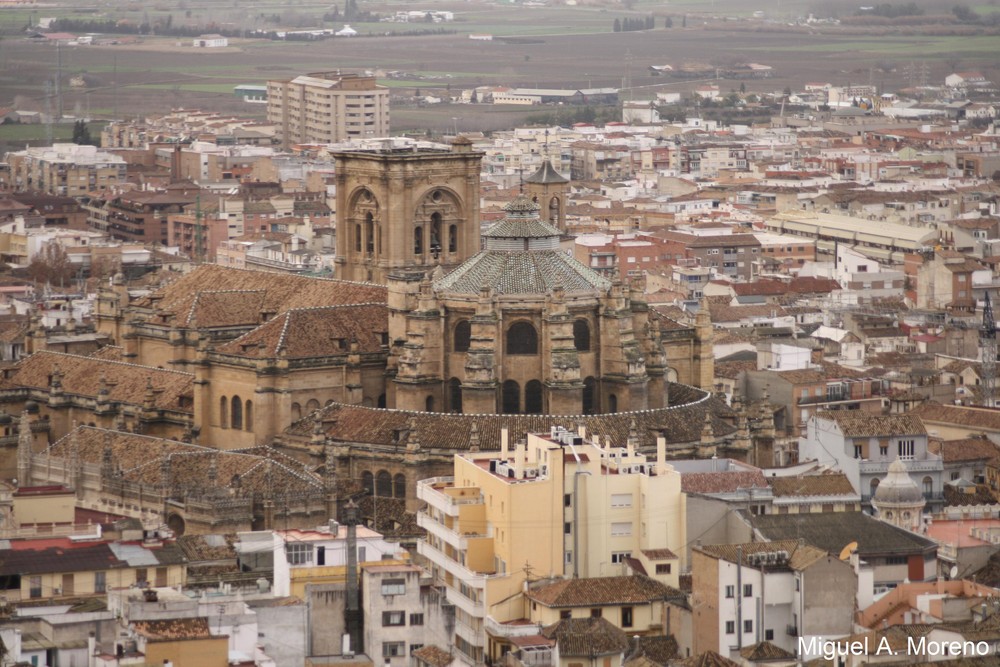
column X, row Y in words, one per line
column 328, row 107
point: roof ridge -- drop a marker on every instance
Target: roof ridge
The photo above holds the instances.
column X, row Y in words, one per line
column 117, row 432
column 329, row 280
column 106, row 361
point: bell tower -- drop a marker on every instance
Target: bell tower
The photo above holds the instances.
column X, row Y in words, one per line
column 403, row 205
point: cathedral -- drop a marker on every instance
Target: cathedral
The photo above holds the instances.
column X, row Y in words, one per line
column 494, row 331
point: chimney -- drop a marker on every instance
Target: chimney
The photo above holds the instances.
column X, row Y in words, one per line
column 661, row 455
column 504, row 444
column 519, row 460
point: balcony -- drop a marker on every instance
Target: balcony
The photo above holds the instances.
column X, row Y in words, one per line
column 515, row 629
column 433, row 491
column 454, row 538
column 466, row 604
column 452, row 566
column 792, row 631
column 882, row 467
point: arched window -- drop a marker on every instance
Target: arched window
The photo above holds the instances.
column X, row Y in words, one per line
column 455, row 395
column 368, row 482
column 612, row 403
column 224, row 412
column 312, row 405
column 435, row 244
column 418, row 240
column 554, row 210
column 357, row 238
column 429, row 404
column 928, row 485
column 522, row 339
column 874, row 486
column 383, row 484
column 589, row 391
column 462, row 336
column 381, row 401
column 369, row 232
column 533, row 398
column 581, row 335
column 511, row 398
column 453, row 238
column 236, row 412
column 248, row 416
column 296, row 412
column 399, row 486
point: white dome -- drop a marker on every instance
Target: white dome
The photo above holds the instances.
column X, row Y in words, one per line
column 898, row 488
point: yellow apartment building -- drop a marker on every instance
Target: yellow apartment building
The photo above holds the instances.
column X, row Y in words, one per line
column 557, row 505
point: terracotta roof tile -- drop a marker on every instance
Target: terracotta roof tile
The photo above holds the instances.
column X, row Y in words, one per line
column 832, row 531
column 586, row 637
column 765, row 651
column 433, row 656
column 835, row 484
column 126, row 383
column 968, row 417
column 967, row 449
column 859, row 424
column 599, row 591
column 175, row 628
column 722, row 482
column 708, row 659
column 800, row 556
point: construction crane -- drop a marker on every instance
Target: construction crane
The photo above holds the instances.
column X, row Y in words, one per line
column 988, row 345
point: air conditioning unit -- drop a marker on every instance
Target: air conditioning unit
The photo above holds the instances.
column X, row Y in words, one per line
column 531, row 473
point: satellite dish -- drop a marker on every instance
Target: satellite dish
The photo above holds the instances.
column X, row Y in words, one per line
column 845, row 553
column 953, row 572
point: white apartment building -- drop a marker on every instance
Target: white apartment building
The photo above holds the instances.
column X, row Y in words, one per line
column 328, row 107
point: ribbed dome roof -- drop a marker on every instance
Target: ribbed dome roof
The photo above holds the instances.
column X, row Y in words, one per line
column 898, row 488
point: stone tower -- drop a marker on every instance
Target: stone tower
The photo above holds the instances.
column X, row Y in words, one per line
column 549, row 189
column 403, row 206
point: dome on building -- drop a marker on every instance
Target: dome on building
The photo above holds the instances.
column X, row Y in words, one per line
column 546, row 175
column 898, row 488
column 522, row 256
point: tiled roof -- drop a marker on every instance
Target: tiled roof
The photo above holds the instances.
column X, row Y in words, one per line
column 800, row 556
column 586, row 637
column 546, row 174
column 966, row 449
column 731, row 369
column 601, row 591
column 659, row 649
column 271, row 292
column 835, row 484
column 680, row 424
column 659, row 554
column 707, row 659
column 173, row 629
column 53, row 559
column 315, row 332
column 832, row 531
column 860, row 424
column 433, row 656
column 722, row 482
column 725, row 313
column 971, row 418
column 139, row 458
column 527, row 272
column 109, row 353
column 126, row 383
column 765, row 651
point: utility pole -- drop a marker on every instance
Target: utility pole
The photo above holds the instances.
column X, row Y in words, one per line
column 59, row 100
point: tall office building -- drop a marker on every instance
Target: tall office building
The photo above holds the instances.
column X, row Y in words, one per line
column 328, row 107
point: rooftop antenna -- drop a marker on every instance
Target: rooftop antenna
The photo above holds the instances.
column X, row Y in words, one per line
column 520, row 175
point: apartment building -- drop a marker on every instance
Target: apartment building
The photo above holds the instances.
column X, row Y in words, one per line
column 558, row 505
column 65, row 169
column 328, row 107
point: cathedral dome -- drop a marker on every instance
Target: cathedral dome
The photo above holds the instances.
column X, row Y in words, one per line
column 522, row 256
column 898, row 488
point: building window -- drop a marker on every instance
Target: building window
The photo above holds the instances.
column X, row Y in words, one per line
column 224, row 412
column 565, row 613
column 621, row 500
column 415, row 647
column 298, row 553
column 393, row 586
column 391, row 618
column 383, row 484
column 533, row 398
column 462, row 336
column 100, row 582
column 747, row 590
column 626, row 617
column 35, row 587
column 418, row 241
column 589, row 387
column 747, row 626
column 621, row 529
column 663, row 568
column 906, row 448
column 511, row 397
column 393, row 649
column 857, row 451
column 236, row 413
column 730, row 591
column 569, row 557
column 883, row 450
column 567, row 528
column 581, row 335
column 567, row 500
column 522, row 339
column 768, row 635
column 620, row 556
column 730, row 627
column 595, row 613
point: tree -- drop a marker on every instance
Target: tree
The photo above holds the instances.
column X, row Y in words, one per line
column 743, row 87
column 618, row 25
column 51, row 265
column 81, row 133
